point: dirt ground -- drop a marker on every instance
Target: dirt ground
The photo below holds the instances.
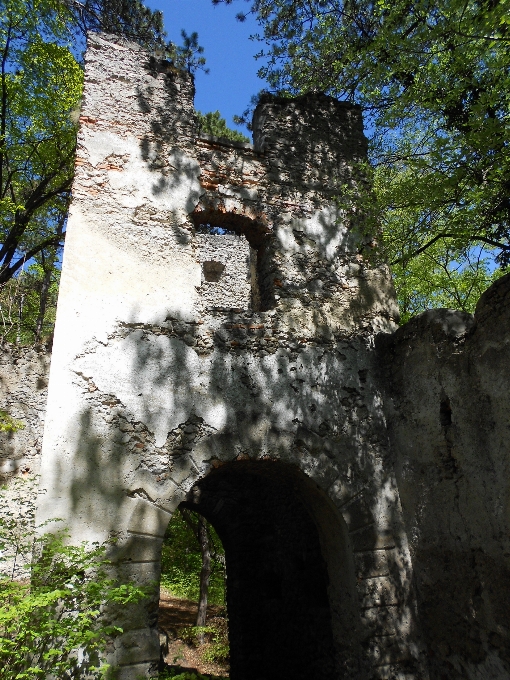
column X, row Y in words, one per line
column 175, row 615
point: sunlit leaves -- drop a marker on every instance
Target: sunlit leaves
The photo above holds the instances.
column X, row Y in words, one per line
column 433, row 79
column 181, row 562
column 54, row 596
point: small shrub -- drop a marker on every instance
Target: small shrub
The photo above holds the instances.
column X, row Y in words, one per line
column 218, row 651
column 216, row 648
column 52, row 624
column 8, row 423
column 190, row 634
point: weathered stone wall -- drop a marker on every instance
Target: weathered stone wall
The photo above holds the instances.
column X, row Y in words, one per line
column 159, row 381
column 24, row 374
column 226, row 270
column 448, row 410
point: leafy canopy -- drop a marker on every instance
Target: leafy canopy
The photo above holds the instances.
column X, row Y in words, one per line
column 213, row 124
column 433, row 78
column 39, row 88
column 181, row 562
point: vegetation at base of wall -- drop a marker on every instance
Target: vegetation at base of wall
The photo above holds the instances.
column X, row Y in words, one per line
column 181, row 562
column 52, row 606
column 213, row 124
column 8, row 423
column 180, row 674
column 212, row 638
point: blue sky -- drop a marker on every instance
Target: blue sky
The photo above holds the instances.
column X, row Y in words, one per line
column 228, row 49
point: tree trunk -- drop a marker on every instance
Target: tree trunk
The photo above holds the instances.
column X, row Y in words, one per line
column 43, row 301
column 20, row 317
column 48, row 267
column 205, row 574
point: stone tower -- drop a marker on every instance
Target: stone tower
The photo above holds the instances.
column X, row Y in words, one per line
column 214, row 346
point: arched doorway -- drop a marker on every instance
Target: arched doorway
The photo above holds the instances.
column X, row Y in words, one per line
column 290, row 588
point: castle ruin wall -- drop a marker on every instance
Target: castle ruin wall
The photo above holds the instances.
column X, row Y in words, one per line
column 156, row 382
column 447, row 377
column 226, row 339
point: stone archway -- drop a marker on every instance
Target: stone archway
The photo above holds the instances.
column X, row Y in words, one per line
column 288, row 594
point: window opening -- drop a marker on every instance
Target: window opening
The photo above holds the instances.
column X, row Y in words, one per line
column 217, row 223
column 214, row 230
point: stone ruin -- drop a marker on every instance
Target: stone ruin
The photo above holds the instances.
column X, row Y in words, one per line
column 226, row 339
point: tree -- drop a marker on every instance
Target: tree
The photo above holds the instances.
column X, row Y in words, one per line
column 182, row 563
column 40, row 86
column 40, row 90
column 198, row 526
column 433, row 79
column 187, row 56
column 213, row 124
column 129, row 18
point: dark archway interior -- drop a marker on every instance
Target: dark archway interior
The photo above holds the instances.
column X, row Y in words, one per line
column 277, row 580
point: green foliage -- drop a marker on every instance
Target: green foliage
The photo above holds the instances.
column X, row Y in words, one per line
column 181, row 563
column 8, row 423
column 433, row 79
column 176, row 674
column 216, row 648
column 187, row 56
column 20, row 304
column 213, row 124
column 40, row 86
column 130, row 18
column 54, row 625
column 440, row 278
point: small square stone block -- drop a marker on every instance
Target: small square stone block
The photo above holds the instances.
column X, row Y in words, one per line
column 371, row 563
column 371, row 538
column 377, row 592
column 138, row 549
column 379, row 621
column 134, row 671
